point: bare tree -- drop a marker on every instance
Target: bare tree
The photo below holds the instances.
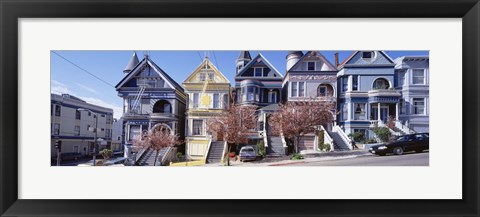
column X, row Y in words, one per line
column 234, row 124
column 157, row 139
column 295, row 119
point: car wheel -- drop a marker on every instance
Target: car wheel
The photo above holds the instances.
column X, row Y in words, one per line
column 398, row 150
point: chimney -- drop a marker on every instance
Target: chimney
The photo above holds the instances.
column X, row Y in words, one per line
column 336, row 60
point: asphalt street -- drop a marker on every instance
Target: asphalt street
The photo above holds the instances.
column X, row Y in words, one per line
column 408, row 159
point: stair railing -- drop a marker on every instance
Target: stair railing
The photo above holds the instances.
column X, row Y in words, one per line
column 207, row 152
column 343, row 136
column 327, row 139
column 224, row 151
column 140, row 154
column 403, row 127
column 168, row 155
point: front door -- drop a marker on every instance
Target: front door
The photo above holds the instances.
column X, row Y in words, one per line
column 384, row 111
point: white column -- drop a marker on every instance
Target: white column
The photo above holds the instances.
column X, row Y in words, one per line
column 397, row 111
column 379, row 113
column 349, row 111
column 350, row 84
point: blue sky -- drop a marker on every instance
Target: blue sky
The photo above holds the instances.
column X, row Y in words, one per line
column 109, row 65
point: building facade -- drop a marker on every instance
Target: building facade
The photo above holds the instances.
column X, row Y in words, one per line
column 151, row 98
column 367, row 96
column 73, row 123
column 208, row 93
column 412, row 80
column 258, row 82
column 310, row 77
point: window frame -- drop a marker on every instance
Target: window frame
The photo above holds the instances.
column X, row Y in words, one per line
column 364, row 110
column 301, row 89
column 216, row 104
column 308, row 66
column 76, row 130
column 355, row 84
column 255, row 72
column 423, row 76
column 294, row 89
column 58, row 110
column 56, row 129
column 414, row 107
column 195, row 100
column 200, row 127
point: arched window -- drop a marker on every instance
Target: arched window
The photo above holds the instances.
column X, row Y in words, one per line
column 325, row 90
column 162, row 106
column 381, row 84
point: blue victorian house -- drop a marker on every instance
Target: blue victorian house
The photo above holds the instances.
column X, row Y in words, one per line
column 258, row 82
column 151, row 98
column 367, row 96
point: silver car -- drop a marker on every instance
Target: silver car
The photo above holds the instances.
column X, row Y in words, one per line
column 247, row 153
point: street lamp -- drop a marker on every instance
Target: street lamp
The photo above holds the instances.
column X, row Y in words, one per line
column 95, row 135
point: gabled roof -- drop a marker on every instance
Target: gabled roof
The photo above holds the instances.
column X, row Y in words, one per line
column 346, row 61
column 206, row 61
column 325, row 60
column 146, row 61
column 132, row 63
column 255, row 60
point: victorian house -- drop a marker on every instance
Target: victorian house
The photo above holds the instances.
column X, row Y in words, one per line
column 412, row 73
column 367, row 93
column 258, row 83
column 310, row 77
column 151, row 98
column 208, row 93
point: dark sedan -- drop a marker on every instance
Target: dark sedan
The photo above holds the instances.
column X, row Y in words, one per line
column 417, row 142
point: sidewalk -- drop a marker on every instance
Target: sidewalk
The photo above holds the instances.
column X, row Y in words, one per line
column 309, row 157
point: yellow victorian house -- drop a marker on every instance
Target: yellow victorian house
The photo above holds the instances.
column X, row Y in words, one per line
column 208, row 93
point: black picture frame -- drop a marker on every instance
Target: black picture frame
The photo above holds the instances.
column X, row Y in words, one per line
column 12, row 10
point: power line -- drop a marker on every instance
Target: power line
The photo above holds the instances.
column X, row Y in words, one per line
column 83, row 69
column 199, row 55
column 215, row 56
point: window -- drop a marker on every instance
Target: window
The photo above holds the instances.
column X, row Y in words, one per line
column 216, row 99
column 77, row 131
column 344, row 82
column 418, row 106
column 294, row 89
column 89, row 114
column 197, row 127
column 322, row 90
column 56, row 129
column 402, row 107
column 78, row 115
column 272, row 97
column 225, row 101
column 102, row 129
column 381, row 84
column 301, row 88
column 134, row 132
column 360, row 111
column 107, row 133
column 367, row 55
column 195, row 100
column 418, row 76
column 251, row 93
column 201, row 76
column 58, row 110
column 310, row 66
column 102, row 116
column 211, row 76
column 344, row 112
column 401, row 78
column 88, row 127
column 354, row 82
column 258, row 72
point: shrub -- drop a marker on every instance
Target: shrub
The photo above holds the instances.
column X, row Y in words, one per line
column 320, row 136
column 179, row 155
column 371, row 141
column 324, row 147
column 296, row 156
column 383, row 133
column 357, row 136
column 106, row 153
column 261, row 148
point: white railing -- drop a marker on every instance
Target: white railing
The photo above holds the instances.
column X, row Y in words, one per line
column 343, row 136
column 284, row 142
column 265, row 139
column 403, row 128
column 208, row 147
column 327, row 139
column 224, row 152
column 169, row 155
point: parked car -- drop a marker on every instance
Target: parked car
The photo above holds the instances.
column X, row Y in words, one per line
column 417, row 142
column 247, row 153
